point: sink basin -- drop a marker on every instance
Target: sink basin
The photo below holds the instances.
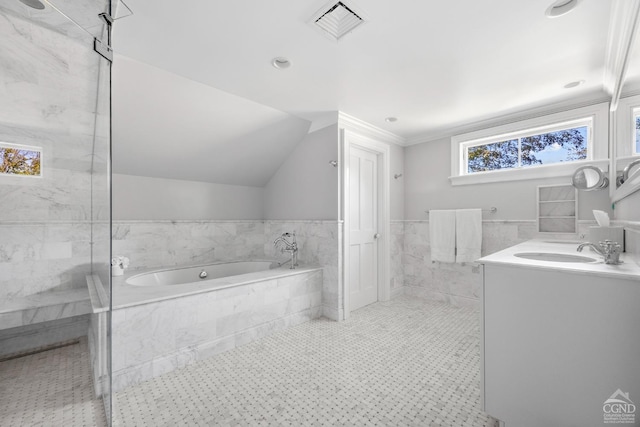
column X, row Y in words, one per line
column 553, row 257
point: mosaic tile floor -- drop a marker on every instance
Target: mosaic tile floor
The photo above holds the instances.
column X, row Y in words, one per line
column 407, row 362
column 52, row 388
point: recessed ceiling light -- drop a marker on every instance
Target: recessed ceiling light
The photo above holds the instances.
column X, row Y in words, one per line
column 281, row 63
column 561, row 7
column 391, row 119
column 574, row 84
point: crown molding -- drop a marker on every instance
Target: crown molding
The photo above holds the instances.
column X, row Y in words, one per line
column 363, row 128
column 506, row 119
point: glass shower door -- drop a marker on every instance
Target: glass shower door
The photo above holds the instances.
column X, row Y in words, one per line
column 54, row 213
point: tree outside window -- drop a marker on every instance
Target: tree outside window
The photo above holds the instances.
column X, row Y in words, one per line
column 564, row 145
column 18, row 161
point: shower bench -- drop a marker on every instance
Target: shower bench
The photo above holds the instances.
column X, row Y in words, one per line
column 44, row 307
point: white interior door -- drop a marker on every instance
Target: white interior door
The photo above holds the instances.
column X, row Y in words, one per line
column 363, row 228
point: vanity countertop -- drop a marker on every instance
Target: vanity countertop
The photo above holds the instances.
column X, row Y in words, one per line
column 630, row 268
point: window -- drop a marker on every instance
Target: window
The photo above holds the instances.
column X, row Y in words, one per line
column 532, row 148
column 20, row 160
column 540, row 147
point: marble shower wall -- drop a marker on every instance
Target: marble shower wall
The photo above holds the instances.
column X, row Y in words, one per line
column 48, row 86
column 457, row 284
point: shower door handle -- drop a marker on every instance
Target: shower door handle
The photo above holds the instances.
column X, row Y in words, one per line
column 376, row 236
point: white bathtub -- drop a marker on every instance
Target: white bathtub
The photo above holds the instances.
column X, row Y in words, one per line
column 185, row 275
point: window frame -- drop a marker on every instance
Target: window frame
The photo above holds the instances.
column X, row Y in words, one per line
column 625, row 128
column 26, row 148
column 597, row 117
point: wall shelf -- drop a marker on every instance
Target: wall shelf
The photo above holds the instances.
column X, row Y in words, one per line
column 557, row 209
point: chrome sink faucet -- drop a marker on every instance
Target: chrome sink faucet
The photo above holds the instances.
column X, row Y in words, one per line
column 287, row 243
column 608, row 249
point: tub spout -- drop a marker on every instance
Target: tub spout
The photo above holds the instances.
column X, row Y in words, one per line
column 287, row 243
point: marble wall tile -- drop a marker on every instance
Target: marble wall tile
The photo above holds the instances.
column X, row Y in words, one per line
column 318, row 244
column 48, row 90
column 457, row 284
column 151, row 244
column 397, row 253
column 37, row 257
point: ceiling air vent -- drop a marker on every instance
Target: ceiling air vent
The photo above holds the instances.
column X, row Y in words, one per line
column 337, row 19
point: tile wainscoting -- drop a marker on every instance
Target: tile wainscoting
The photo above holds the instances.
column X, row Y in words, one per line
column 457, row 284
column 157, row 244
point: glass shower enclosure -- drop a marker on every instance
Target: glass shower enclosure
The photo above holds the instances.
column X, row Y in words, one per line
column 55, row 210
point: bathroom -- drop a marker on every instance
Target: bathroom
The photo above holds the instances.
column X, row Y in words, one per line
column 182, row 148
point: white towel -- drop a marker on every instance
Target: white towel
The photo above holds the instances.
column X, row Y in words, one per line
column 442, row 232
column 468, row 235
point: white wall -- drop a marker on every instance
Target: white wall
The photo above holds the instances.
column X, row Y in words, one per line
column 427, row 169
column 396, row 188
column 137, row 198
column 306, row 185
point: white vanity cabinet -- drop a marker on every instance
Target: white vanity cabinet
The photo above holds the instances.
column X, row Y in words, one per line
column 558, row 339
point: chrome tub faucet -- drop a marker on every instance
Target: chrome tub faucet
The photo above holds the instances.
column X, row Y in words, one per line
column 287, row 243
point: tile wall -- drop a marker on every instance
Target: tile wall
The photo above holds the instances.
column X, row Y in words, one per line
column 155, row 244
column 48, row 91
column 457, row 284
column 318, row 244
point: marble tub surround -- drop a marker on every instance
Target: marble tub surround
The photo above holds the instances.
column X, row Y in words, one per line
column 318, row 244
column 160, row 244
column 459, row 284
column 126, row 295
column 153, row 338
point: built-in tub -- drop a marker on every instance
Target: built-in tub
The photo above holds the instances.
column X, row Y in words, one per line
column 199, row 274
column 166, row 319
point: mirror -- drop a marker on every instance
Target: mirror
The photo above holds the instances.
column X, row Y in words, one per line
column 631, row 184
column 628, row 171
column 625, row 101
column 589, row 178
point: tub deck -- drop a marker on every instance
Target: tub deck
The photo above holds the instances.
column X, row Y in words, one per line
column 125, row 295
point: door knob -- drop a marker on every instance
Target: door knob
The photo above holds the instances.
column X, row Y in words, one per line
column 376, row 236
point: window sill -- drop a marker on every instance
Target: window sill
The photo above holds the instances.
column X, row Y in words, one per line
column 536, row 172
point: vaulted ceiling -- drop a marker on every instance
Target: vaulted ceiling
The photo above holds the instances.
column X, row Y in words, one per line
column 434, row 65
